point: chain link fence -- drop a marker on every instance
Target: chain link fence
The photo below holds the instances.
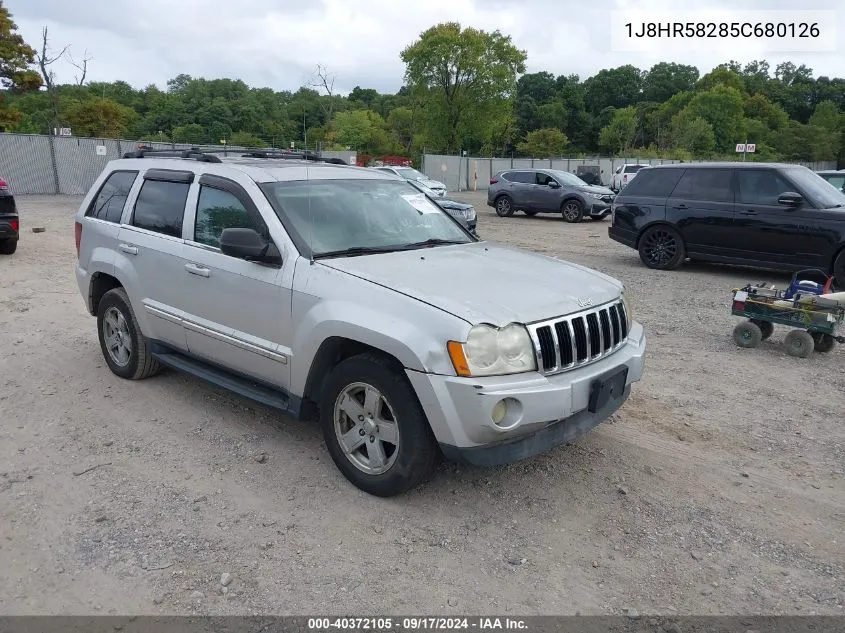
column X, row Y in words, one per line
column 469, row 173
column 38, row 164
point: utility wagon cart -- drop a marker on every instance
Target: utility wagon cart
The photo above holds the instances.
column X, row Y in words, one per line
column 816, row 320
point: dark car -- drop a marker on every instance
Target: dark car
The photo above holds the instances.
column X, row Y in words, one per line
column 835, row 178
column 461, row 211
column 782, row 217
column 9, row 220
column 536, row 191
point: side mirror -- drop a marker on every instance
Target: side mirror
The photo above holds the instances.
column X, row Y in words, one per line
column 790, row 199
column 249, row 245
column 554, row 184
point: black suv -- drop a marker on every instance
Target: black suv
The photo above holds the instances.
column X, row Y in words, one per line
column 9, row 220
column 782, row 217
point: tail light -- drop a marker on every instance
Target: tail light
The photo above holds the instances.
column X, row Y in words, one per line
column 493, row 181
column 78, row 237
column 4, row 186
column 625, row 178
column 15, row 226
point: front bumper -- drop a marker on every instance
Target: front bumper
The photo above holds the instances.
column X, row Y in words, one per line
column 546, row 411
column 599, row 209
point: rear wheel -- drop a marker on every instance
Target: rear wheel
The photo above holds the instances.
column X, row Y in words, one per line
column 747, row 334
column 799, row 344
column 661, row 248
column 7, row 247
column 766, row 328
column 823, row 342
column 374, row 427
column 504, row 206
column 572, row 210
column 124, row 347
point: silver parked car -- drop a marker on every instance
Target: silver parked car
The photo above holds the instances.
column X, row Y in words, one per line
column 536, row 191
column 409, row 173
column 337, row 293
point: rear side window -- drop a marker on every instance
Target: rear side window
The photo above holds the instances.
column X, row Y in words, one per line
column 712, row 185
column 656, row 183
column 109, row 203
column 526, row 177
column 633, row 169
column 761, row 186
column 161, row 207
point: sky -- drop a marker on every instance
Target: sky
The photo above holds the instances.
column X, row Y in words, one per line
column 278, row 43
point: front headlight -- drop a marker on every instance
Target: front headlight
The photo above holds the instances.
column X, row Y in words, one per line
column 491, row 351
column 470, row 213
column 595, row 195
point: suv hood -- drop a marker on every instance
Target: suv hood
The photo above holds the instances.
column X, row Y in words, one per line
column 603, row 191
column 483, row 282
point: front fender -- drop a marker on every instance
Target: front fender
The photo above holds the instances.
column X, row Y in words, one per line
column 415, row 344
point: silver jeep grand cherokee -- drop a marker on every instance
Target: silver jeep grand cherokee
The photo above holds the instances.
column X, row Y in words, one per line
column 344, row 294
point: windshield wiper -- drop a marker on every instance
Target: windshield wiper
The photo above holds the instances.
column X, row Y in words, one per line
column 358, row 250
column 431, row 242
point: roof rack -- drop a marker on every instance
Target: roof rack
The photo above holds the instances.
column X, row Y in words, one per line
column 195, row 153
column 285, row 155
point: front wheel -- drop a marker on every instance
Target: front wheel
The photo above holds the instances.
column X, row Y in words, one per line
column 661, row 248
column 504, row 206
column 823, row 343
column 375, row 428
column 799, row 344
column 572, row 211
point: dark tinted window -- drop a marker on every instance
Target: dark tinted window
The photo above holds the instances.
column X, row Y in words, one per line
column 161, row 206
column 526, row 177
column 218, row 210
column 712, row 185
column 657, row 183
column 761, row 186
column 633, row 169
column 109, row 203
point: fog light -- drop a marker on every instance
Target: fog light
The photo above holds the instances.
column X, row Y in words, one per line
column 500, row 410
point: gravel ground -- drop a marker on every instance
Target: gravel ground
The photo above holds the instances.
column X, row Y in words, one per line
column 717, row 488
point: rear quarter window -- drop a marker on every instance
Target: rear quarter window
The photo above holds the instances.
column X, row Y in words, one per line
column 110, row 200
column 633, row 169
column 654, row 183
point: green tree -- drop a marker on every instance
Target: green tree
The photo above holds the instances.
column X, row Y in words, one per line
column 721, row 76
column 98, row 117
column 666, row 79
column 618, row 135
column 16, row 56
column 190, row 133
column 722, row 108
column 245, row 139
column 544, row 143
column 463, row 74
column 401, row 122
column 362, row 130
column 613, row 87
column 692, row 133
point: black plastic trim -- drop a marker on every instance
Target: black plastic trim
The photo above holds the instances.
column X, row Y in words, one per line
column 169, row 175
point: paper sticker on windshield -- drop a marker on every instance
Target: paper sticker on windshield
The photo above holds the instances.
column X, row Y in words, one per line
column 420, row 202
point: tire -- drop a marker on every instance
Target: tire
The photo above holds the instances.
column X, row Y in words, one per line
column 799, row 344
column 823, row 343
column 8, row 247
column 662, row 248
column 839, row 270
column 766, row 327
column 504, row 206
column 124, row 347
column 529, row 213
column 399, row 466
column 747, row 334
column 572, row 210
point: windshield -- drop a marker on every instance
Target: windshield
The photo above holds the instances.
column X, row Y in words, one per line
column 816, row 188
column 565, row 178
column 333, row 216
column 837, row 180
column 410, row 173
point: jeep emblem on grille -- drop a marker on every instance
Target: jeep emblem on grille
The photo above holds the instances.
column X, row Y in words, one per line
column 585, row 302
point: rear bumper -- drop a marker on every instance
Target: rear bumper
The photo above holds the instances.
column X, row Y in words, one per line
column 9, row 226
column 623, row 236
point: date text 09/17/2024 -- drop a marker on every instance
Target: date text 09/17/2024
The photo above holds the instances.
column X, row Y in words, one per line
column 386, row 624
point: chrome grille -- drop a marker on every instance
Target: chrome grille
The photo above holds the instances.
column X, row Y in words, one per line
column 579, row 339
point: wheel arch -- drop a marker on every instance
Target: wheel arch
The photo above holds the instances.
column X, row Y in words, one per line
column 100, row 284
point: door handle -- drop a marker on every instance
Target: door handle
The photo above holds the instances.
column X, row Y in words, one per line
column 128, row 249
column 197, row 270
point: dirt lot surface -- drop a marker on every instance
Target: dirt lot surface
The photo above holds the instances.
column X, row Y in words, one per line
column 717, row 488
